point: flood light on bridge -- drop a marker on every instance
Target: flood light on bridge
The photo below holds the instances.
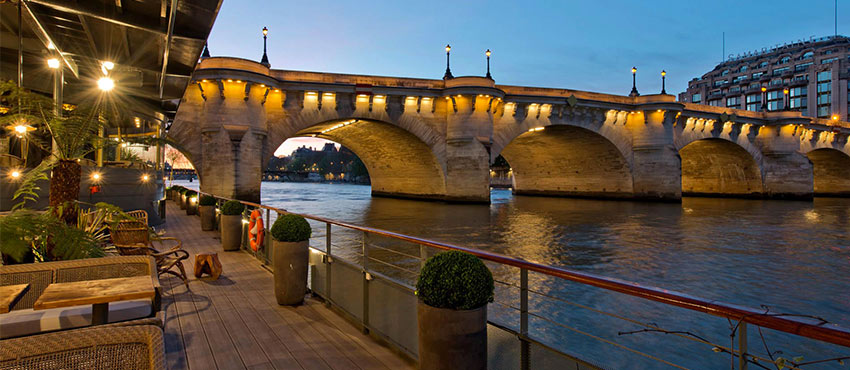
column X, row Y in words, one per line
column 204, row 80
column 229, row 80
column 239, row 81
column 536, row 129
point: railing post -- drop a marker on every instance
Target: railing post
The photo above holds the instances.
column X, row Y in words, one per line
column 742, row 346
column 266, row 242
column 423, row 255
column 329, row 259
column 366, row 277
column 525, row 350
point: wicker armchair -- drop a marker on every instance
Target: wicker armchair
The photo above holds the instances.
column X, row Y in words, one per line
column 117, row 347
column 134, row 238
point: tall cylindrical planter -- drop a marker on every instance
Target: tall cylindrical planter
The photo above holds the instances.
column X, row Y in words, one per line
column 182, row 201
column 231, row 232
column 452, row 339
column 168, row 194
column 289, row 260
column 207, row 214
column 192, row 205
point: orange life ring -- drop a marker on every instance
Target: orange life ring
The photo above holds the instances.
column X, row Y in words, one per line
column 255, row 230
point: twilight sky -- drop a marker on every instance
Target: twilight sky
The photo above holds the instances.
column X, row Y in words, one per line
column 585, row 45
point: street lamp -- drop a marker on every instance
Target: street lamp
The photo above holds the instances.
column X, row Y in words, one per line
column 448, row 74
column 487, row 53
column 764, row 99
column 785, row 100
column 265, row 60
column 663, row 82
column 634, row 84
column 835, row 117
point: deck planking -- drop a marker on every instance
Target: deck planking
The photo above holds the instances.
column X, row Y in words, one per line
column 235, row 323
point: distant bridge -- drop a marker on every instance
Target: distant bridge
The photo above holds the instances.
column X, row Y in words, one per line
column 435, row 139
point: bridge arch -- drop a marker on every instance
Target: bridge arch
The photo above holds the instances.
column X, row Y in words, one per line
column 720, row 167
column 399, row 162
column 831, row 168
column 568, row 160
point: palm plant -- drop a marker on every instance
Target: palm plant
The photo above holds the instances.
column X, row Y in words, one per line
column 68, row 139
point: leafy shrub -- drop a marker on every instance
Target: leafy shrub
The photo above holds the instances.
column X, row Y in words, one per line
column 291, row 228
column 27, row 232
column 455, row 280
column 232, row 207
column 207, row 200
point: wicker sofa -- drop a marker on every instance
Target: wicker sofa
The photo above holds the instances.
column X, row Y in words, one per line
column 101, row 347
column 22, row 320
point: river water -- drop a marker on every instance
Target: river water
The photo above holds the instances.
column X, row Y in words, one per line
column 792, row 257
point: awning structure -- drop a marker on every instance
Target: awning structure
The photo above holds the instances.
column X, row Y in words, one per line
column 154, row 45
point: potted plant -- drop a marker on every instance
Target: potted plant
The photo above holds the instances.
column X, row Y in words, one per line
column 454, row 289
column 206, row 208
column 191, row 202
column 290, row 244
column 175, row 193
column 231, row 225
column 182, row 201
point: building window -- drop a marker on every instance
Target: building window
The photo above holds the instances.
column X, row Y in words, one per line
column 784, row 60
column 824, row 97
column 696, row 98
column 798, row 99
column 774, row 100
column 754, row 102
column 808, row 55
column 739, row 79
column 824, row 76
column 755, row 85
column 779, row 71
column 719, row 83
column 827, row 61
column 829, row 52
column 823, row 112
column 733, row 102
column 735, row 89
column 724, row 73
column 776, row 81
column 714, row 103
column 801, row 78
column 763, row 65
column 802, row 67
column 757, row 75
column 743, row 68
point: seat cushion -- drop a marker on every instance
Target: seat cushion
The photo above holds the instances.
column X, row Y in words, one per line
column 28, row 321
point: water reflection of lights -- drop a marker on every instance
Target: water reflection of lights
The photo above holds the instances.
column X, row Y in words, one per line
column 811, row 215
column 688, row 210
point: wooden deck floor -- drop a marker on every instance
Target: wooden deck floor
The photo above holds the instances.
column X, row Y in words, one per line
column 235, row 323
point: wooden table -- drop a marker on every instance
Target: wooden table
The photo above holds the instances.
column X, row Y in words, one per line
column 97, row 293
column 9, row 294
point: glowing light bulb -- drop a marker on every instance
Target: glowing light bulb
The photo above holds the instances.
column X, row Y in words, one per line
column 53, row 63
column 145, row 178
column 105, row 83
column 95, row 176
column 21, row 129
column 15, row 174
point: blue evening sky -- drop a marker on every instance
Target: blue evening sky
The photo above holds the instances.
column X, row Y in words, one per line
column 585, row 45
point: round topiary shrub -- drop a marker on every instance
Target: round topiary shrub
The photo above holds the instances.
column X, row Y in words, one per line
column 232, row 207
column 291, row 228
column 207, row 200
column 455, row 280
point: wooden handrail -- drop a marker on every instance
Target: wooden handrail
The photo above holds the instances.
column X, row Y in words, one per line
column 804, row 327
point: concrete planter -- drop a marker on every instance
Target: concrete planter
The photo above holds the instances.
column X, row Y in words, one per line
column 169, row 195
column 207, row 214
column 452, row 339
column 181, row 201
column 289, row 260
column 231, row 232
column 191, row 207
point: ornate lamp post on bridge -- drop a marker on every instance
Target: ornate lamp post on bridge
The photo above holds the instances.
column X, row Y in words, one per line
column 265, row 60
column 785, row 100
column 764, row 99
column 487, row 53
column 634, row 85
column 448, row 74
column 663, row 82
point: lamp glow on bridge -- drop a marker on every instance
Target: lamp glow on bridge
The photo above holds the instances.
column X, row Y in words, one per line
column 265, row 59
column 537, row 129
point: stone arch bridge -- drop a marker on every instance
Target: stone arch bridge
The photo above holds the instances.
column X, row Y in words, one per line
column 435, row 139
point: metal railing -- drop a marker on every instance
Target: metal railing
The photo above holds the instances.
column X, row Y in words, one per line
column 363, row 256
